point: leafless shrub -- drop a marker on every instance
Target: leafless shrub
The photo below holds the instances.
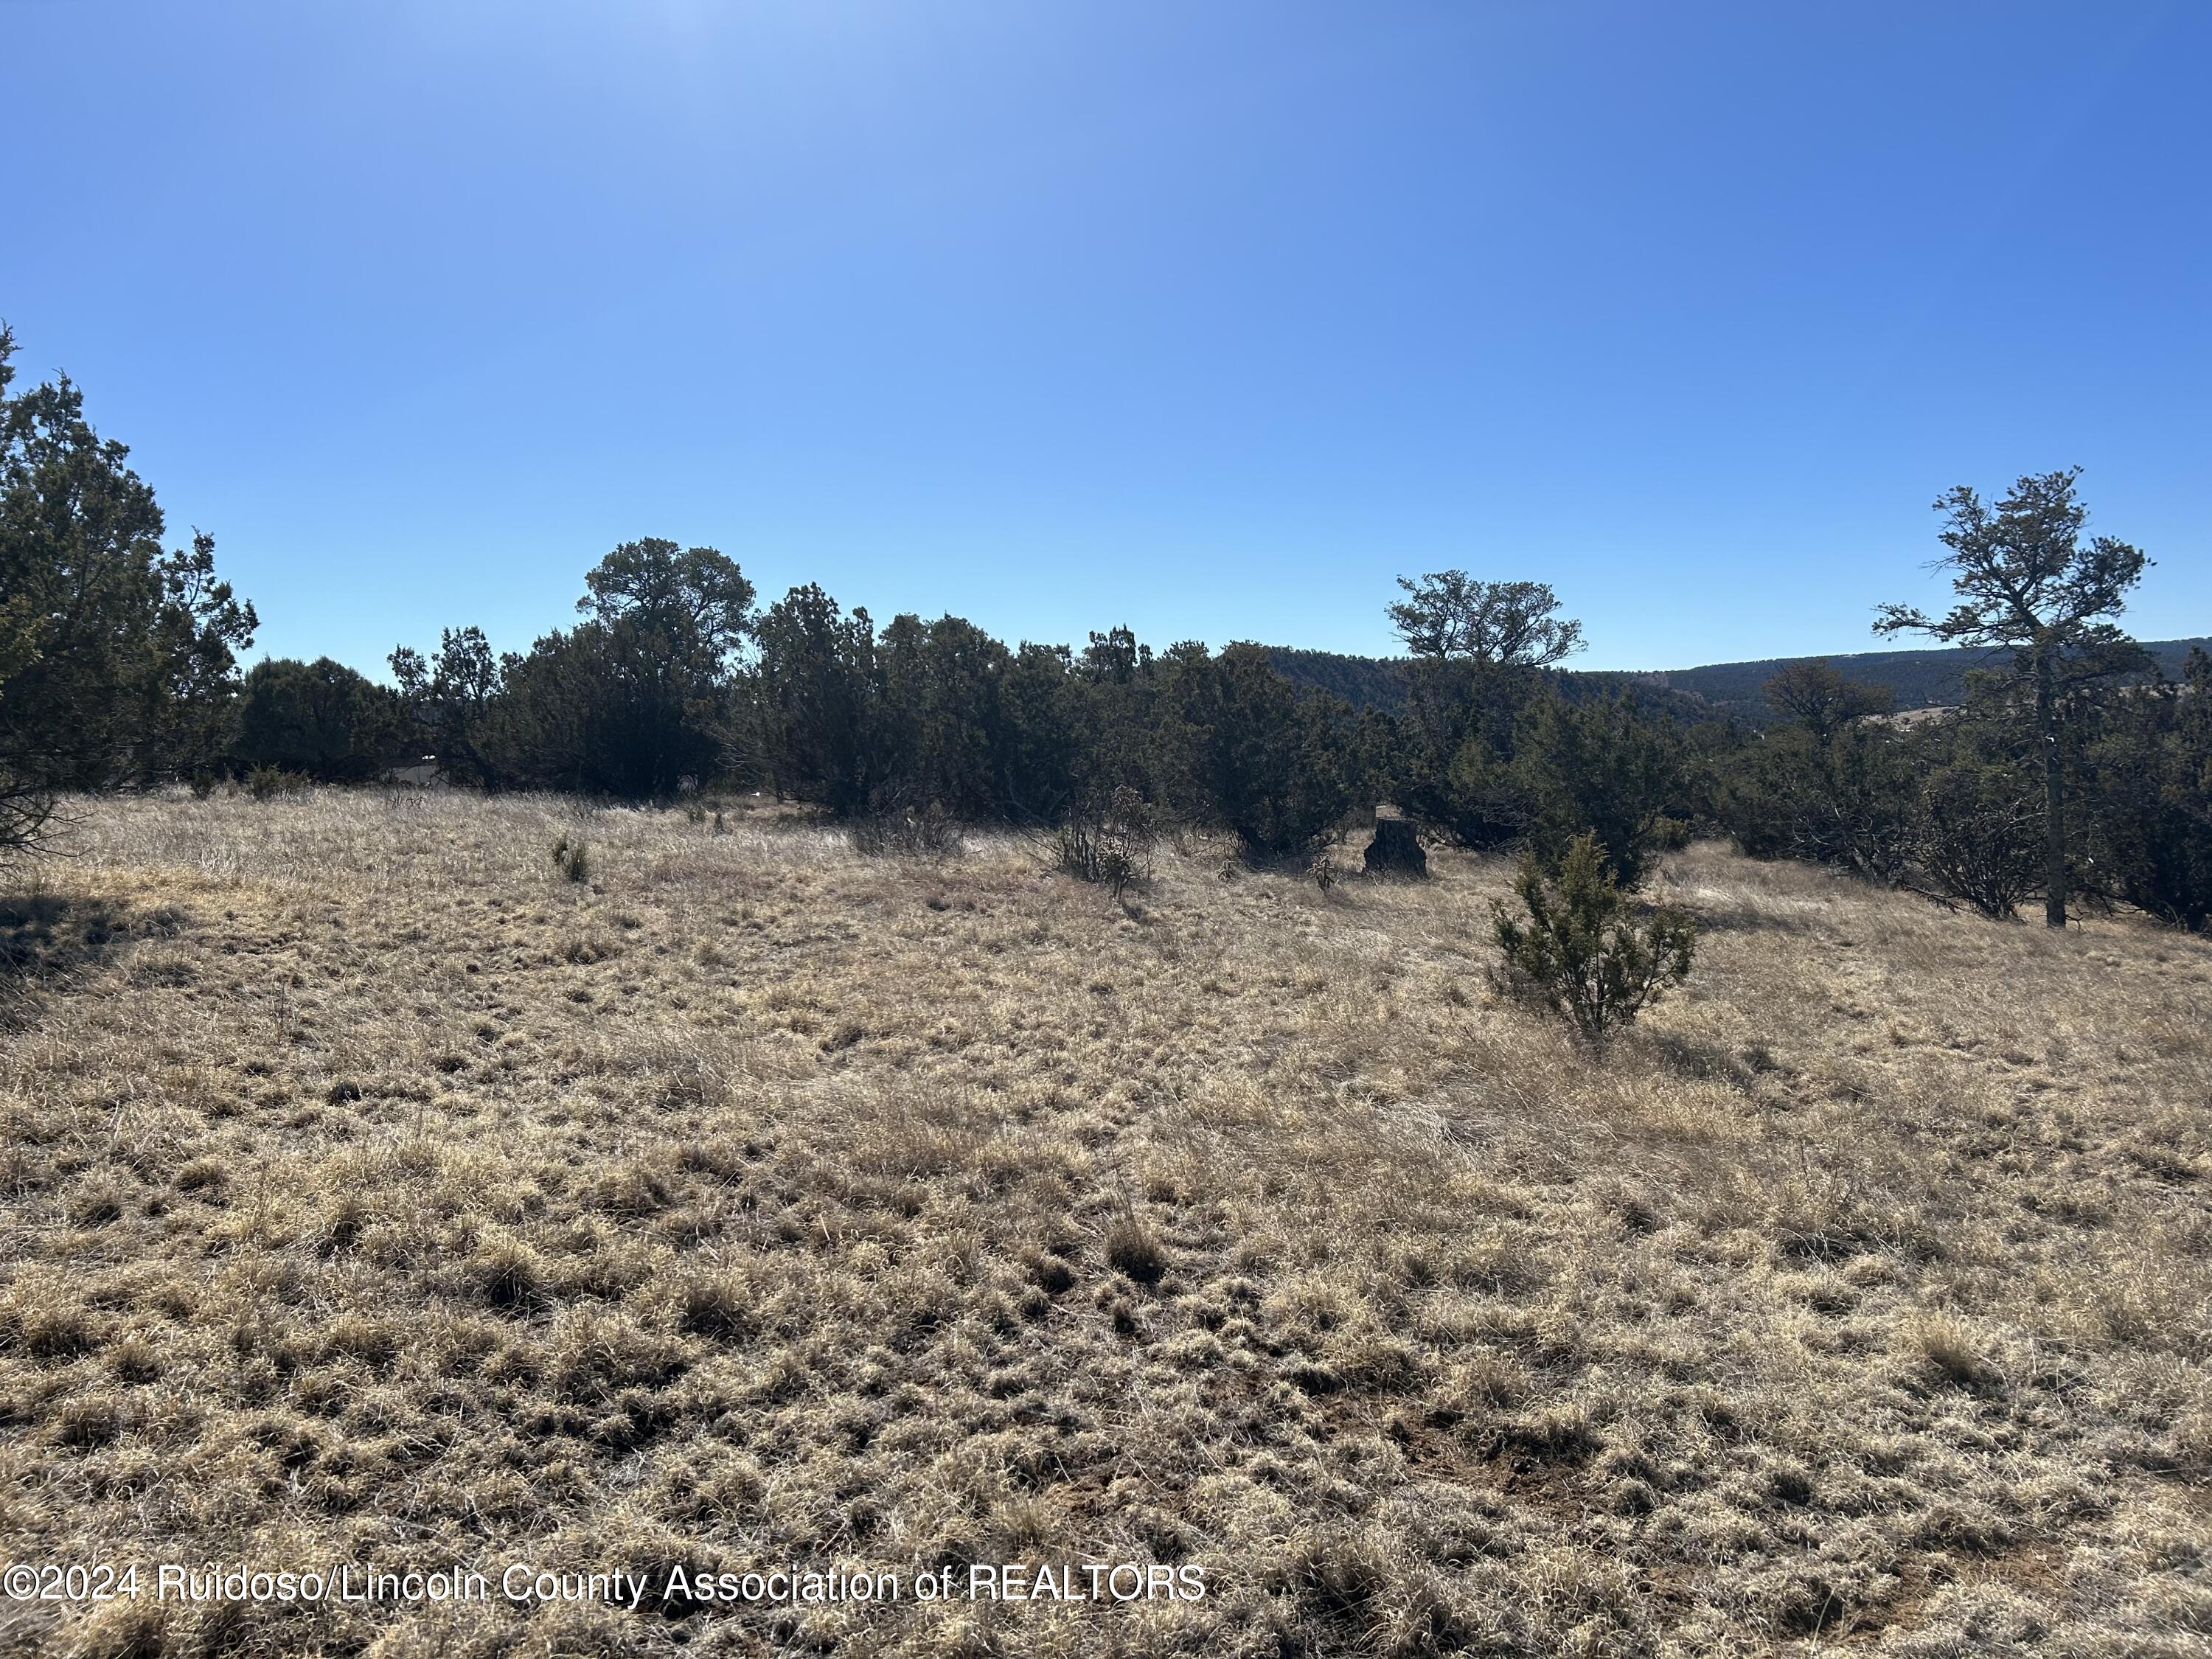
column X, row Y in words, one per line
column 1111, row 847
column 903, row 832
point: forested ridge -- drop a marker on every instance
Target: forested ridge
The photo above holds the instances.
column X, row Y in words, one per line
column 1915, row 679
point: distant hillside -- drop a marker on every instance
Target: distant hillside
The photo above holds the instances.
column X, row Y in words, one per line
column 1920, row 679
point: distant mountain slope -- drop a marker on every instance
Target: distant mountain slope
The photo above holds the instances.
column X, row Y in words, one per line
column 1920, row 679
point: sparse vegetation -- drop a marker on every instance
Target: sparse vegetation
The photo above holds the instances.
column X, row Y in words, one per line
column 903, row 832
column 1113, row 847
column 799, row 1193
column 274, row 782
column 887, row 1213
column 572, row 857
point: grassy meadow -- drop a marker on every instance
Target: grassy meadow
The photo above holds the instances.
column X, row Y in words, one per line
column 373, row 1192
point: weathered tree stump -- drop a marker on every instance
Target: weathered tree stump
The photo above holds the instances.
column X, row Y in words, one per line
column 1396, row 850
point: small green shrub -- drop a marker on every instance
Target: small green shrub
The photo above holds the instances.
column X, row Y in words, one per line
column 572, row 857
column 1581, row 951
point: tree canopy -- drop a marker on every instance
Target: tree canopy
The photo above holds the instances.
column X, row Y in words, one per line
column 1450, row 615
column 115, row 652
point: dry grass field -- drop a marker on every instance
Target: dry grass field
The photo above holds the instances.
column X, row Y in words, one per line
column 374, row 1194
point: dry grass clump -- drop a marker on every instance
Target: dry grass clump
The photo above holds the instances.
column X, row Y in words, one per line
column 372, row 1191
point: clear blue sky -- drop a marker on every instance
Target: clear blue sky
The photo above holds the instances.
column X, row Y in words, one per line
column 1210, row 318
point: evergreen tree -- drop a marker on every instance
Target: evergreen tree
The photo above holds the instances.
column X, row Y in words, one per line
column 2028, row 585
column 117, row 657
column 452, row 701
column 319, row 719
column 2149, row 792
column 1599, row 767
column 813, row 733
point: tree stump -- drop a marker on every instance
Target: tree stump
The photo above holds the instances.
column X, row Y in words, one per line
column 1396, row 850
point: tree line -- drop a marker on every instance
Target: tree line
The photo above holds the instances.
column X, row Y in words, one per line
column 2073, row 774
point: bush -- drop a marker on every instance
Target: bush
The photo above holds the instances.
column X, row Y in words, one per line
column 2148, row 797
column 321, row 719
column 1604, row 769
column 906, row 832
column 1977, row 838
column 1112, row 848
column 572, row 857
column 1581, row 952
column 1252, row 752
column 1847, row 801
column 268, row 782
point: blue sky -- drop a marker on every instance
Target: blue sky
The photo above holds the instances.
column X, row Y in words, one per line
column 1210, row 318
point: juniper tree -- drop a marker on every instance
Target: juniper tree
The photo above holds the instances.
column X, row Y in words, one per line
column 1582, row 950
column 1451, row 616
column 116, row 656
column 2029, row 586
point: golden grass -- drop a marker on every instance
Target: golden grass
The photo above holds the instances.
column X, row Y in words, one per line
column 374, row 1193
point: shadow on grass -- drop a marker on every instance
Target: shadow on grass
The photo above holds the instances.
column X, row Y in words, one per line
column 48, row 940
column 1706, row 1061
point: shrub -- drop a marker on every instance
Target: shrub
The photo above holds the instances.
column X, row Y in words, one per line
column 1603, row 768
column 2148, row 799
column 1978, row 838
column 1255, row 753
column 1845, row 801
column 322, row 719
column 269, row 782
column 1581, row 952
column 904, row 832
column 1112, row 848
column 572, row 857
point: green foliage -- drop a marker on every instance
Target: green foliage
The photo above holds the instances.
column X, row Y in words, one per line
column 266, row 783
column 2148, row 791
column 1848, row 802
column 1448, row 615
column 1835, row 787
column 1273, row 763
column 117, row 657
column 631, row 702
column 812, row 734
column 2029, row 584
column 1978, row 835
column 451, row 703
column 320, row 720
column 1447, row 759
column 691, row 609
column 1821, row 701
column 1603, row 768
column 1580, row 949
column 634, row 701
column 572, row 858
column 937, row 693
